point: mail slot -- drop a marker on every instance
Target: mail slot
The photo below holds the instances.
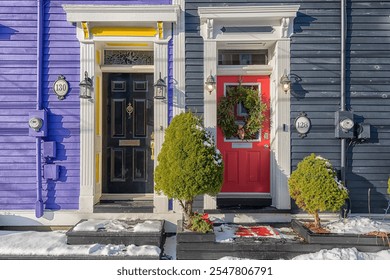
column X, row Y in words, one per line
column 131, row 143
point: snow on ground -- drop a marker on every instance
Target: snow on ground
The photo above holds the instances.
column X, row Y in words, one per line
column 54, row 244
column 344, row 254
column 148, row 226
column 228, row 232
column 225, row 233
column 117, row 226
column 357, row 225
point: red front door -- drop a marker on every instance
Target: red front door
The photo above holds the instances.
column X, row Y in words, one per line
column 247, row 162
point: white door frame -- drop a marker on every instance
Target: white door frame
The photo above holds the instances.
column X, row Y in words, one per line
column 281, row 19
column 86, row 16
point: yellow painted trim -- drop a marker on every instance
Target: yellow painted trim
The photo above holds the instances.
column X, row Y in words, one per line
column 97, row 167
column 124, row 31
column 98, row 57
column 97, row 104
column 84, row 25
column 160, row 27
column 127, row 44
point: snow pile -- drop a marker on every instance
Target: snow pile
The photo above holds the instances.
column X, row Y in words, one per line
column 225, row 233
column 117, row 226
column 148, row 226
column 145, row 250
column 228, row 232
column 286, row 233
column 91, row 225
column 54, row 244
column 344, row 254
column 357, row 225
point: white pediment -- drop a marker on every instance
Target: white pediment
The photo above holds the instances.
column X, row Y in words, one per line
column 217, row 21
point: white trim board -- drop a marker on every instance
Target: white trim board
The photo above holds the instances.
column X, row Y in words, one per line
column 124, row 13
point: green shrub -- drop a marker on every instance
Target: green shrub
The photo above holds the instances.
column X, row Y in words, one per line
column 314, row 187
column 200, row 223
column 189, row 163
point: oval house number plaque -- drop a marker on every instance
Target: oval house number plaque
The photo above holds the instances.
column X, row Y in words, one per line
column 61, row 87
column 302, row 124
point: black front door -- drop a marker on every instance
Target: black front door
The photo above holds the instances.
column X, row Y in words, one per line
column 128, row 133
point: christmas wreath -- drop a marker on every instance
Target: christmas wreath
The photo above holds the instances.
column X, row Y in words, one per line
column 252, row 121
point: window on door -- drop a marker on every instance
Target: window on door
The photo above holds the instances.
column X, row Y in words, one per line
column 242, row 57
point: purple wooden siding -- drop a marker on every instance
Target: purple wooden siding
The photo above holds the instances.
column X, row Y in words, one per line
column 17, row 98
column 18, row 24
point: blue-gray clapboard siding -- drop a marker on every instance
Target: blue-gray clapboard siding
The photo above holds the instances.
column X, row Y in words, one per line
column 61, row 56
column 315, row 59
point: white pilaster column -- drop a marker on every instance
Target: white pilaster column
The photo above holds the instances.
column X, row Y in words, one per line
column 160, row 114
column 281, row 150
column 210, row 103
column 179, row 60
column 87, row 132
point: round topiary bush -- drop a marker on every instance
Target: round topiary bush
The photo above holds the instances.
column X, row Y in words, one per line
column 314, row 187
column 189, row 163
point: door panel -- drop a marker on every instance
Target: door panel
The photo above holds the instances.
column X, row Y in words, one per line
column 128, row 133
column 247, row 163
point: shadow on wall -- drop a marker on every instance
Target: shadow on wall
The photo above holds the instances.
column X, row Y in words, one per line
column 372, row 189
column 54, row 188
column 302, row 20
column 6, row 32
column 372, row 198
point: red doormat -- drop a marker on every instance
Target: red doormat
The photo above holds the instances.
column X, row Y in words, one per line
column 256, row 231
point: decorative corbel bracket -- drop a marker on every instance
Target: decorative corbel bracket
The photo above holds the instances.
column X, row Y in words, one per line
column 210, row 28
column 160, row 30
column 85, row 27
column 286, row 25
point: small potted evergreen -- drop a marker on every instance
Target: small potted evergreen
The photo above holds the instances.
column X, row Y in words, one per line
column 189, row 165
column 315, row 187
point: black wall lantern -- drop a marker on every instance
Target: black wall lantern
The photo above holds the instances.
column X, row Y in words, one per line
column 160, row 87
column 86, row 87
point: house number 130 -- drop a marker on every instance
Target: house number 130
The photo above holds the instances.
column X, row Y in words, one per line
column 61, row 87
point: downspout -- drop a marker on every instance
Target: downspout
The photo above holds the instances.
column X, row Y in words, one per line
column 342, row 91
column 39, row 202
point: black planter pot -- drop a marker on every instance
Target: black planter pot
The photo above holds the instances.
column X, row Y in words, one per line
column 336, row 238
column 183, row 236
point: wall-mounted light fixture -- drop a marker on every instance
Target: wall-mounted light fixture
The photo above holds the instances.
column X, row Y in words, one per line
column 210, row 83
column 160, row 87
column 285, row 82
column 86, row 87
